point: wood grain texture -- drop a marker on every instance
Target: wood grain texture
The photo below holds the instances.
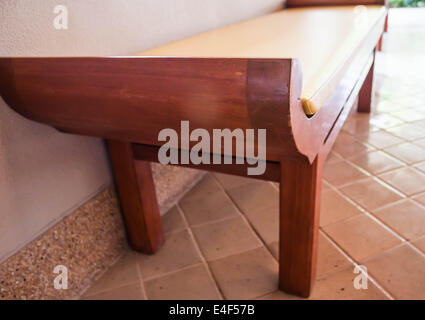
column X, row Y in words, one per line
column 134, row 98
column 299, row 221
column 137, row 195
column 366, row 92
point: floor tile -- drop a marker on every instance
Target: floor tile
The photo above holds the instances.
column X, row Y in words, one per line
column 420, row 143
column 246, row 275
column 407, row 152
column 387, row 106
column 385, row 121
column 325, row 185
column 207, row 186
column 342, row 172
column 335, row 207
column 230, row 181
column 376, row 162
column 401, row 271
column 254, row 196
column 336, row 286
column 347, row 146
column 420, row 198
column 419, row 123
column 407, row 180
column 340, row 286
column 129, row 292
column 193, row 283
column 409, row 115
column 361, row 237
column 370, row 194
column 214, row 206
column 333, row 157
column 420, row 244
column 224, row 238
column 278, row 295
column 408, row 131
column 177, row 252
column 265, row 223
column 420, row 166
column 119, row 275
column 405, row 217
column 172, row 221
column 380, row 139
column 410, row 101
column 358, row 124
column 329, row 258
column 274, row 249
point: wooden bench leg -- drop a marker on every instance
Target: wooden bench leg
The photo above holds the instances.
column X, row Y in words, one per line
column 299, row 220
column 136, row 191
column 365, row 94
column 379, row 46
column 386, row 24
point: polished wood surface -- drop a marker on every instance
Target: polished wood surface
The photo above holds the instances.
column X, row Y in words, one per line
column 137, row 196
column 134, row 98
column 366, row 92
column 299, row 224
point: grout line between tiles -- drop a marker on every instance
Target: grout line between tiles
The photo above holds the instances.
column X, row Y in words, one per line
column 382, row 182
column 368, row 214
column 212, row 222
column 396, row 247
column 198, row 249
column 168, row 273
column 415, row 248
column 142, row 284
column 113, row 287
column 355, row 263
column 251, row 227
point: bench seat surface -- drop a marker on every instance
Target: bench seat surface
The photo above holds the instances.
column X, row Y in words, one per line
column 322, row 38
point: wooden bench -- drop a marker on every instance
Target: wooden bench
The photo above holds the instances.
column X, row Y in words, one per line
column 296, row 73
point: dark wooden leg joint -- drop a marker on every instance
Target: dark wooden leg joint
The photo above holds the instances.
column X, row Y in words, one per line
column 379, row 46
column 299, row 220
column 137, row 196
column 366, row 91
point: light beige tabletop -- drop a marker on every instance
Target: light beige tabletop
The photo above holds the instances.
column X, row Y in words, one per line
column 322, row 39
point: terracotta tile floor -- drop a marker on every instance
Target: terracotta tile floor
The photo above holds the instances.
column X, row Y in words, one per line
column 222, row 237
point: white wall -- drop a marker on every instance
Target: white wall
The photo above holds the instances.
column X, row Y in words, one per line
column 44, row 174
